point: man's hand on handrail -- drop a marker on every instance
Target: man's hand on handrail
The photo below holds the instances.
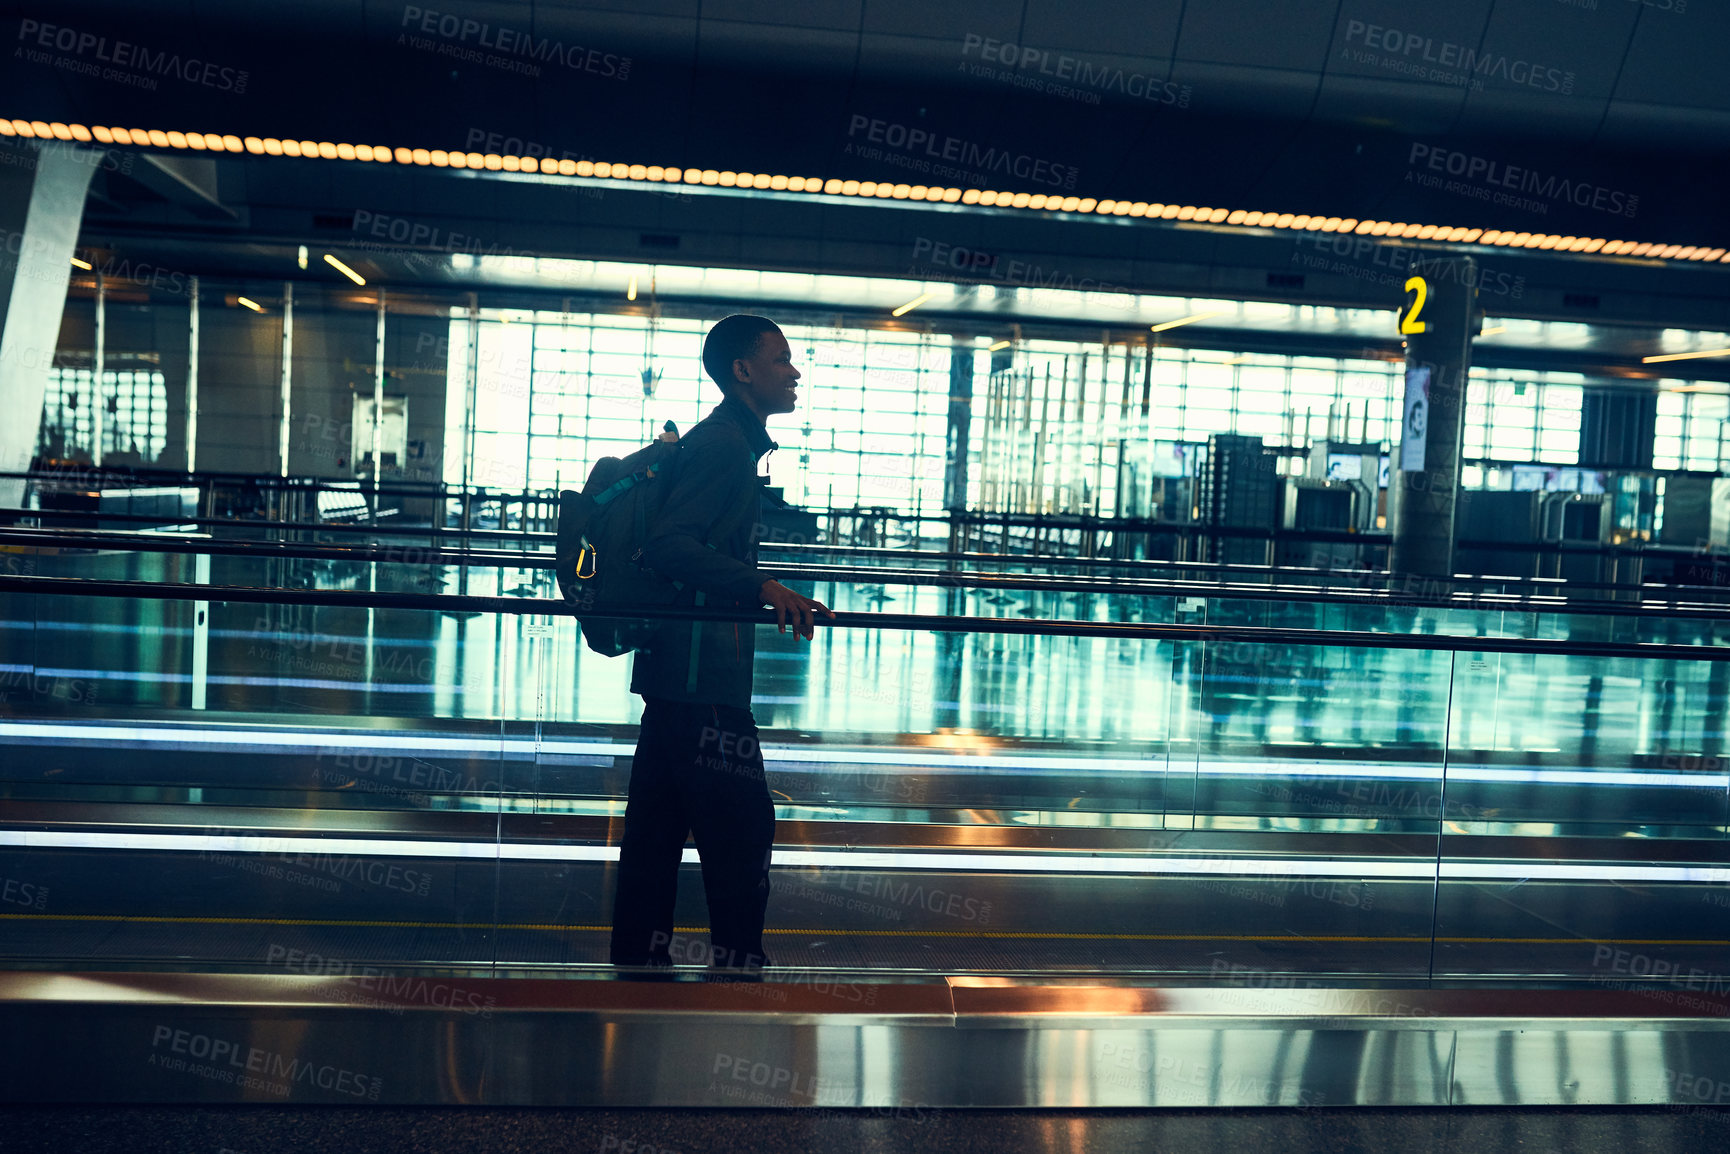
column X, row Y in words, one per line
column 801, row 610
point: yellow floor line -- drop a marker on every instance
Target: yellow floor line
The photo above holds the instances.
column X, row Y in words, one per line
column 822, row 932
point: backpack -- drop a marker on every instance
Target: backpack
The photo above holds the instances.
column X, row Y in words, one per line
column 601, row 532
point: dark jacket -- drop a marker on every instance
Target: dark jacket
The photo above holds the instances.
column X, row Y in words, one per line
column 713, row 477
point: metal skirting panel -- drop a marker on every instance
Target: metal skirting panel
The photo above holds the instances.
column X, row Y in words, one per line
column 827, row 1042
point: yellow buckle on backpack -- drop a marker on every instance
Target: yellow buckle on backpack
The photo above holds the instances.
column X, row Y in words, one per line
column 589, row 552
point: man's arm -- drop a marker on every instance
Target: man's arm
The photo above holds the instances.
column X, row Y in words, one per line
column 711, row 480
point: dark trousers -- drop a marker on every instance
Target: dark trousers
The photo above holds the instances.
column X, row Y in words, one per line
column 697, row 771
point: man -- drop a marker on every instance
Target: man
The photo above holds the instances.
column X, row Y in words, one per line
column 697, row 768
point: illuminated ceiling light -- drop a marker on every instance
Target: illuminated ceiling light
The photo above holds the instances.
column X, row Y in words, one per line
column 999, row 345
column 1490, row 332
column 254, row 306
column 1685, row 356
column 343, row 269
column 1160, row 328
column 83, row 264
column 912, row 304
column 631, row 292
column 300, row 257
column 270, row 146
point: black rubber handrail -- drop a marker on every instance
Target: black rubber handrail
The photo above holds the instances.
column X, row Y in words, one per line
column 1313, row 536
column 1702, row 595
column 1120, row 630
column 1674, row 609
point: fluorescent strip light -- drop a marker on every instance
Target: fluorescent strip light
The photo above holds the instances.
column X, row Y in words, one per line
column 1160, row 328
column 1042, row 863
column 789, row 858
column 344, row 269
column 631, row 293
column 912, row 304
column 300, row 256
column 999, row 345
column 174, row 737
column 1490, row 332
column 83, row 264
column 1685, row 356
column 250, row 304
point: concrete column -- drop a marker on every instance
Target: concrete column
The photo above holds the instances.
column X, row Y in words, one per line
column 1437, row 321
column 39, row 217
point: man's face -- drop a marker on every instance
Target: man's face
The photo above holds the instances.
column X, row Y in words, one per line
column 767, row 378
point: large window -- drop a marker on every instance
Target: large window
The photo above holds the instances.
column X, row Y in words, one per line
column 1052, row 427
column 1692, row 429
column 556, row 392
column 1524, row 417
column 134, row 423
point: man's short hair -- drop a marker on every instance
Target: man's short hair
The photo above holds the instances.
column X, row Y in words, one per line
column 731, row 338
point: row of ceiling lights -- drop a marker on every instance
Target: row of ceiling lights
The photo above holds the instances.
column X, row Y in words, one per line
column 439, row 158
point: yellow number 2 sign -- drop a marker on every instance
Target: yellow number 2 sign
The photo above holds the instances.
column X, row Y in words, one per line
column 1409, row 322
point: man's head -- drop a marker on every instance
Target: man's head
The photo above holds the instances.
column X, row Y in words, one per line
column 749, row 358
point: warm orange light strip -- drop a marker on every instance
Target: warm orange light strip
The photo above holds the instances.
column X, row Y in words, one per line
column 1685, row 356
column 1038, row 202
